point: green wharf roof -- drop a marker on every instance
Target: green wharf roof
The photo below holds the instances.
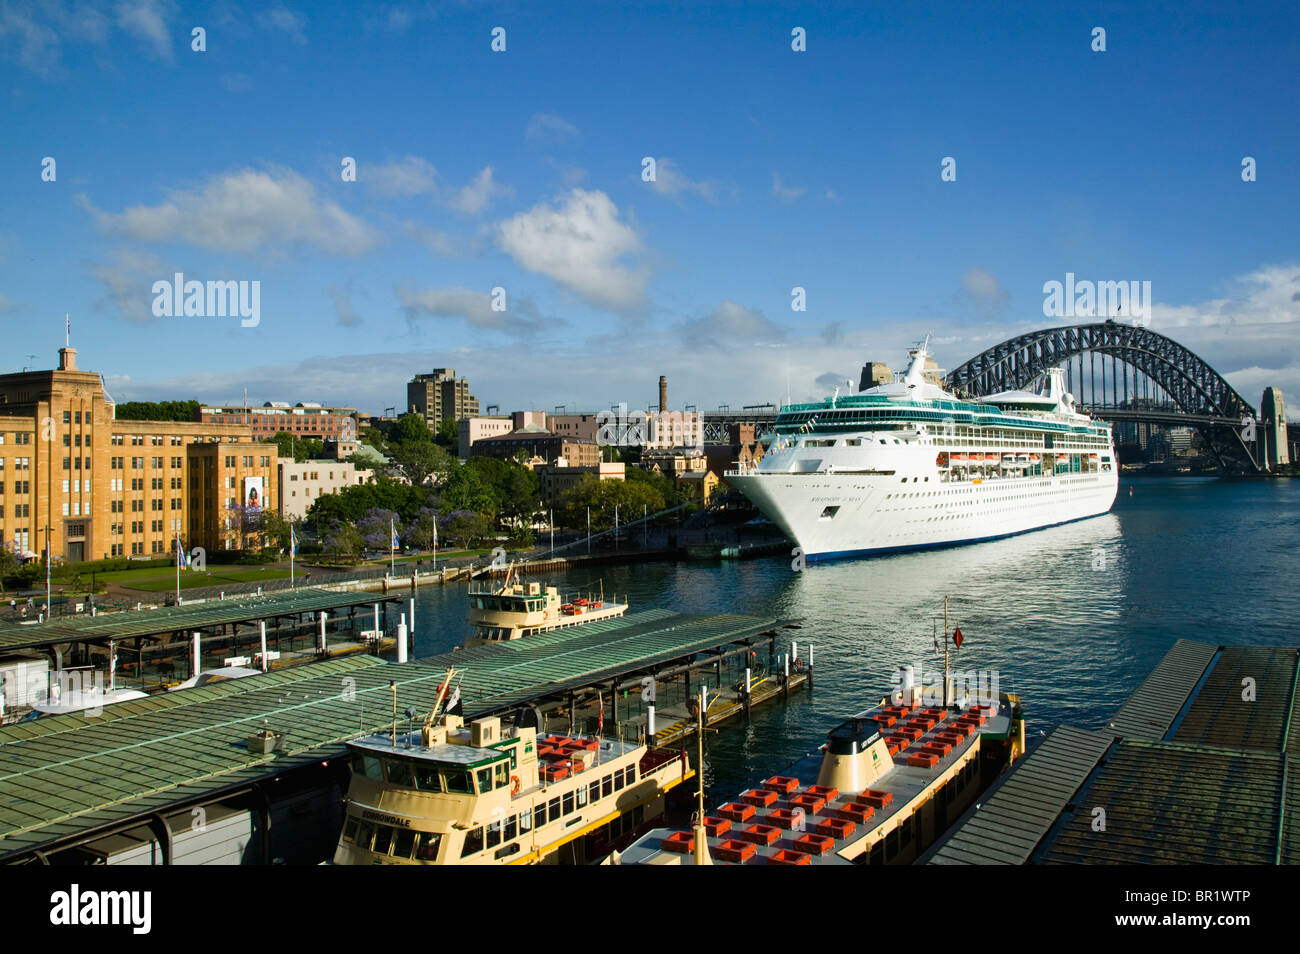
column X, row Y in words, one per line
column 172, row 619
column 1198, row 767
column 65, row 775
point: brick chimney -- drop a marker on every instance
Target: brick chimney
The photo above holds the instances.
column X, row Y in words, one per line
column 663, row 392
column 67, row 359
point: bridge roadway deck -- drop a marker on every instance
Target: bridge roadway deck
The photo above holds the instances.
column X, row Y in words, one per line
column 65, row 777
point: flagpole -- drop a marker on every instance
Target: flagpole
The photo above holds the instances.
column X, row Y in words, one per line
column 392, row 548
column 945, row 652
column 178, row 569
column 551, row 520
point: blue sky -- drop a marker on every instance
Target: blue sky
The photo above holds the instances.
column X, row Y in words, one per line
column 522, row 170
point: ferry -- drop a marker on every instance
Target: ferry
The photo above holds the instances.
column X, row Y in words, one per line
column 886, row 784
column 488, row 793
column 515, row 610
column 907, row 465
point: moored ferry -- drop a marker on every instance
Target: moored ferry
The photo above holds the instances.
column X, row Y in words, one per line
column 885, row 785
column 907, row 465
column 490, row 793
column 515, row 610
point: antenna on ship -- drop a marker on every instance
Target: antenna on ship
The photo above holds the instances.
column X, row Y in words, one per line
column 698, row 830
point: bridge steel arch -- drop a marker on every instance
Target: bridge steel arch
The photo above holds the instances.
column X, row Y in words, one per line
column 1209, row 403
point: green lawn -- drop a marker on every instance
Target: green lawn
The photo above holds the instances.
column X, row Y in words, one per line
column 153, row 581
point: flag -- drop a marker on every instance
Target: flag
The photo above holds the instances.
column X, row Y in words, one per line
column 182, row 559
column 293, row 542
column 957, row 637
column 393, row 530
column 600, row 716
column 453, row 704
column 435, row 532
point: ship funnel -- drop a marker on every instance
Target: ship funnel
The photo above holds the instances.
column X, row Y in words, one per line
column 855, row 756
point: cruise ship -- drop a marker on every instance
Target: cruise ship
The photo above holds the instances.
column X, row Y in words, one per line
column 907, row 465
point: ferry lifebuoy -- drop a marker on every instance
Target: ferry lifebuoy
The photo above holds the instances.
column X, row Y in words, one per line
column 515, row 784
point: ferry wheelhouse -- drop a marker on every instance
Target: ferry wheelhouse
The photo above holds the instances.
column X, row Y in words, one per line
column 908, row 465
column 490, row 793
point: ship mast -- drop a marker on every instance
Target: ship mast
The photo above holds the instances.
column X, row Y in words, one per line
column 700, row 832
column 946, row 700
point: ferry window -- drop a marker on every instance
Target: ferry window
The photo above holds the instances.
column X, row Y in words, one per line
column 458, row 782
column 366, row 766
column 631, row 774
column 494, row 834
column 618, row 780
column 426, row 846
column 525, row 821
column 427, row 779
column 512, row 827
column 539, row 816
column 502, row 774
column 606, row 787
column 399, row 772
column 350, row 831
column 555, row 809
column 595, row 790
column 568, row 803
column 403, row 843
column 514, row 757
column 485, row 779
column 582, row 795
column 365, row 834
column 383, row 838
column 473, row 843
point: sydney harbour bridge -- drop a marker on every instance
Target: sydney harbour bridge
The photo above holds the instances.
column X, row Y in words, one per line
column 1123, row 373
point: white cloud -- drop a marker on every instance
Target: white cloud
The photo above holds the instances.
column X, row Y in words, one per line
column 476, row 196
column 147, row 21
column 128, row 279
column 580, row 243
column 347, row 315
column 783, row 192
column 670, row 181
column 280, row 17
column 242, row 212
column 475, row 307
column 410, row 175
column 549, row 129
column 730, row 323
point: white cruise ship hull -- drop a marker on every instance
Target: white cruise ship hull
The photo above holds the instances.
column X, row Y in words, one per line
column 883, row 513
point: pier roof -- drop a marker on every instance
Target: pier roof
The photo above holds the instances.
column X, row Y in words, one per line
column 69, row 775
column 1198, row 767
column 245, row 608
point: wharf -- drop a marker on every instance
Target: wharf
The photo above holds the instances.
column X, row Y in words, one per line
column 1199, row 766
column 70, row 781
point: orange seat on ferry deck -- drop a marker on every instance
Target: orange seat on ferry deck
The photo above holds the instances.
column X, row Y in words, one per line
column 923, row 760
column 787, row 857
column 814, row 844
column 812, row 804
column 833, row 827
column 885, row 720
column 760, row 834
column 556, row 771
column 761, row 797
column 782, row 818
column 781, row 783
column 682, row 842
column 874, row 798
column 736, row 851
column 855, row 811
column 737, row 812
column 937, row 747
column 716, row 827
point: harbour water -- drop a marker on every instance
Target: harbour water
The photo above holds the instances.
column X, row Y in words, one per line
column 1072, row 617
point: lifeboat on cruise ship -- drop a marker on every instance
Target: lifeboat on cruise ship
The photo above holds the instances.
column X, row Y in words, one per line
column 1035, row 459
column 959, row 458
column 990, row 458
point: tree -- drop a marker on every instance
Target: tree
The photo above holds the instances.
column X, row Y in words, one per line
column 420, row 460
column 465, row 528
column 299, row 448
column 448, row 435
column 410, row 428
column 464, row 490
column 276, row 529
column 375, row 527
column 420, row 534
column 343, row 540
column 184, row 411
column 631, row 498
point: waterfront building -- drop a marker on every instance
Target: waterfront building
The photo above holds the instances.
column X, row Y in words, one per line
column 302, row 484
column 537, row 442
column 103, row 488
column 559, row 478
column 470, row 430
column 440, row 396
